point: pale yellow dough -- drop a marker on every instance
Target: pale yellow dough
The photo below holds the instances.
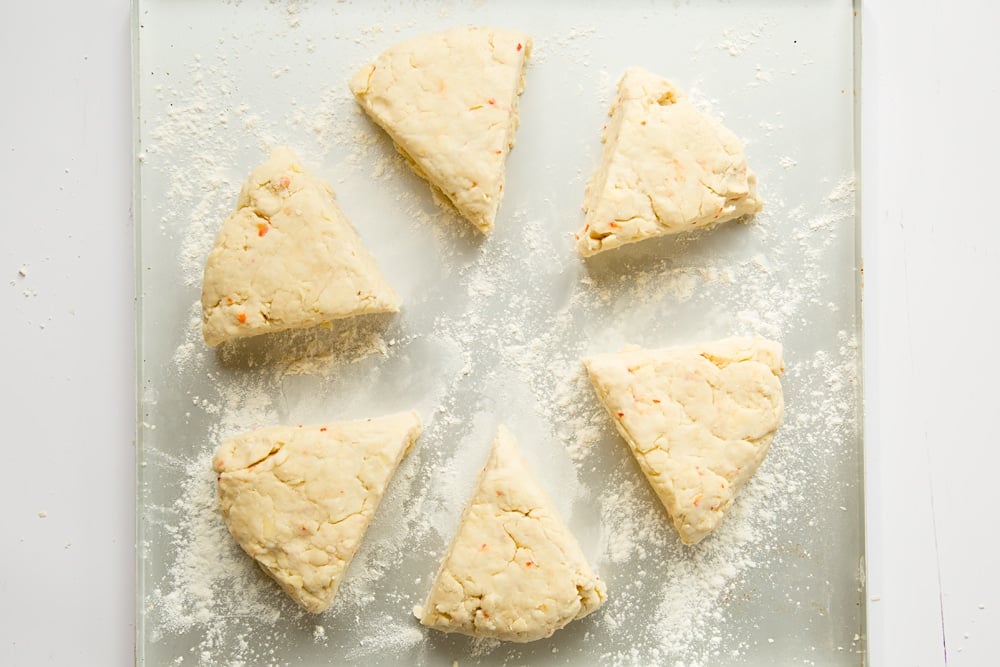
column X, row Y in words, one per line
column 449, row 102
column 299, row 499
column 666, row 168
column 287, row 258
column 698, row 419
column 513, row 571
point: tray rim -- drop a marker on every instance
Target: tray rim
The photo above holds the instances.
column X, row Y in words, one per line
column 859, row 284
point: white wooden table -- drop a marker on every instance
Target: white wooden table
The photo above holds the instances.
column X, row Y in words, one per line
column 932, row 268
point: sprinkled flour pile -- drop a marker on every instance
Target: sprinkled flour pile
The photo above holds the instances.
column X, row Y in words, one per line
column 492, row 331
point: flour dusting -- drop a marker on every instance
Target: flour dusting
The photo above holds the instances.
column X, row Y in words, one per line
column 492, row 331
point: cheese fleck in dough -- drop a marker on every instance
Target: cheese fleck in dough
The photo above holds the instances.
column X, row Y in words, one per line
column 449, row 102
column 287, row 258
column 666, row 168
column 299, row 499
column 698, row 419
column 514, row 571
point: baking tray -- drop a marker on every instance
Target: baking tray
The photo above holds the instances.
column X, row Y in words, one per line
column 492, row 330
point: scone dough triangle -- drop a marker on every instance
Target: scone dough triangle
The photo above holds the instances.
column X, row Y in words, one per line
column 513, row 571
column 299, row 499
column 698, row 419
column 287, row 258
column 449, row 102
column 666, row 168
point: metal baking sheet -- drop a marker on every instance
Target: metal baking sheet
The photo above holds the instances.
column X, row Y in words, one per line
column 492, row 330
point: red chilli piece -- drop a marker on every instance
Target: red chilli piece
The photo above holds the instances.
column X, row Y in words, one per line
column 519, row 46
column 262, row 228
column 322, row 428
column 242, row 317
column 621, row 414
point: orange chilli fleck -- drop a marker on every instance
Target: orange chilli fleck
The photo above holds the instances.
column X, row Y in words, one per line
column 262, row 228
column 242, row 317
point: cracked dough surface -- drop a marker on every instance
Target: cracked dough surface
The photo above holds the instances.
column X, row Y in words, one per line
column 298, row 499
column 449, row 102
column 287, row 257
column 513, row 571
column 666, row 168
column 699, row 420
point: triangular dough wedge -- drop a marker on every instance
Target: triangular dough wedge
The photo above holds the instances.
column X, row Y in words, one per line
column 449, row 102
column 299, row 499
column 287, row 258
column 698, row 419
column 513, row 571
column 666, row 168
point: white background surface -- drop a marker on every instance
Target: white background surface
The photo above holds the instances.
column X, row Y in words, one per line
column 931, row 96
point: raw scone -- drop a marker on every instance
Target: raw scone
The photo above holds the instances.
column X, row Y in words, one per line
column 287, row 258
column 299, row 498
column 698, row 419
column 449, row 102
column 666, row 168
column 513, row 571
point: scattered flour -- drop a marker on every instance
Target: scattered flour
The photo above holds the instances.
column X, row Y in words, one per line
column 497, row 346
column 737, row 41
